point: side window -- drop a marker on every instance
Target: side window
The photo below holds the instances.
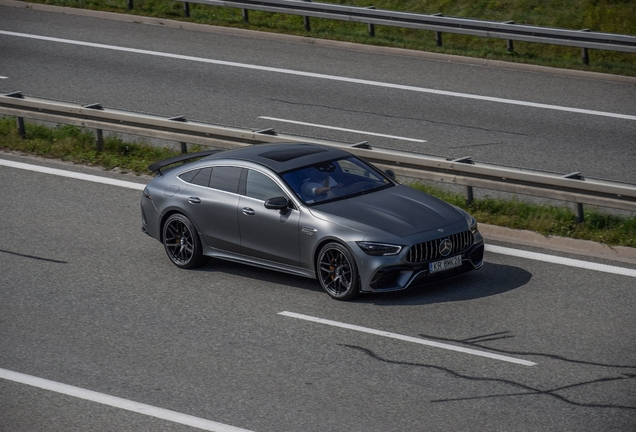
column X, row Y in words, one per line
column 202, row 178
column 188, row 176
column 225, row 178
column 261, row 187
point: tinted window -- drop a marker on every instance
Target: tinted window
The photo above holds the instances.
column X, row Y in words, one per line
column 261, row 187
column 225, row 178
column 202, row 178
column 188, row 176
column 336, row 179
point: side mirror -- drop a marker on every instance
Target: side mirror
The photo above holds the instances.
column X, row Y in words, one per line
column 390, row 173
column 277, row 203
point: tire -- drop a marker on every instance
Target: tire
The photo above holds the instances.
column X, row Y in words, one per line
column 337, row 272
column 182, row 243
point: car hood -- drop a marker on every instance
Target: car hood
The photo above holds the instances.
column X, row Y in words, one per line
column 399, row 210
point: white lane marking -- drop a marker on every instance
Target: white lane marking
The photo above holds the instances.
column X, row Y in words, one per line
column 117, row 402
column 342, row 129
column 4, row 77
column 71, row 174
column 323, row 76
column 490, row 248
column 561, row 260
column 408, row 338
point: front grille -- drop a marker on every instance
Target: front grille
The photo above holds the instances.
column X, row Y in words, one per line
column 429, row 250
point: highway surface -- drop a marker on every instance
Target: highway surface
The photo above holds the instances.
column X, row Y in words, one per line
column 536, row 118
column 94, row 307
column 99, row 332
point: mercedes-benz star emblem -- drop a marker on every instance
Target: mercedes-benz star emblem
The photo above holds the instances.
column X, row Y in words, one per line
column 445, row 247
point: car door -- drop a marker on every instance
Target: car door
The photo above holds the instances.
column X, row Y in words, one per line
column 211, row 199
column 267, row 234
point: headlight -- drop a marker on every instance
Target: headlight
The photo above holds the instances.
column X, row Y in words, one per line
column 379, row 249
column 473, row 225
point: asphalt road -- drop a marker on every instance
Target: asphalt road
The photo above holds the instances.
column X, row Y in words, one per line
column 88, row 301
column 535, row 118
column 91, row 302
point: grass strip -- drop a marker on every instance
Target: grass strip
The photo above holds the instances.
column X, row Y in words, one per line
column 76, row 145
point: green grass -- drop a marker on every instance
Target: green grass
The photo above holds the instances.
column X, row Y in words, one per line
column 72, row 144
column 608, row 16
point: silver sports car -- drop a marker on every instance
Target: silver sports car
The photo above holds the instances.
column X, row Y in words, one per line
column 308, row 210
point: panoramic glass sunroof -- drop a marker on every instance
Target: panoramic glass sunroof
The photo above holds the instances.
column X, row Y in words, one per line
column 285, row 155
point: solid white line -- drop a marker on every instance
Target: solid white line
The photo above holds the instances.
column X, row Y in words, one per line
column 4, row 77
column 561, row 260
column 117, row 402
column 408, row 338
column 343, row 129
column 71, row 174
column 323, row 76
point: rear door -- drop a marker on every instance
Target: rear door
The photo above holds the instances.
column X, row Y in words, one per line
column 211, row 199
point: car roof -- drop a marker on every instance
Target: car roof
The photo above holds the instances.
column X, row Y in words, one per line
column 283, row 156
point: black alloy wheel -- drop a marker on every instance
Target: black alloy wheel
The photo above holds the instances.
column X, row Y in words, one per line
column 337, row 272
column 182, row 242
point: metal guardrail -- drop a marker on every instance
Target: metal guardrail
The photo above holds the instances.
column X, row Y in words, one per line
column 464, row 171
column 438, row 23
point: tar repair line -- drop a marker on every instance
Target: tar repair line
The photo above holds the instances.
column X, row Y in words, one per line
column 490, row 248
column 408, row 338
column 321, row 76
column 117, row 402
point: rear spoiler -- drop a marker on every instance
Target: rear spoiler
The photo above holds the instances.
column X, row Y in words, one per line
column 181, row 158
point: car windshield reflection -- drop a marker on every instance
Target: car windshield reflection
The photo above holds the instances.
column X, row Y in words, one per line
column 337, row 179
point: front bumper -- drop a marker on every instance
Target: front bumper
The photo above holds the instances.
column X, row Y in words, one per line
column 402, row 275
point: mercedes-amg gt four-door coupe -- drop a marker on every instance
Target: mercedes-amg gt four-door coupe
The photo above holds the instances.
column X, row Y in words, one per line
column 309, row 210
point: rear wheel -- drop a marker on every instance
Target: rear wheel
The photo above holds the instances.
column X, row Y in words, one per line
column 182, row 242
column 337, row 272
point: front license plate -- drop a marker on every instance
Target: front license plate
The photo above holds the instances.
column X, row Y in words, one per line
column 445, row 264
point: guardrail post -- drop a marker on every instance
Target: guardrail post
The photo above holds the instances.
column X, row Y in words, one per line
column 438, row 35
column 371, row 27
column 580, row 216
column 469, row 195
column 438, row 38
column 21, row 128
column 130, row 4
column 184, row 148
column 510, row 46
column 186, row 9
column 585, row 55
column 245, row 14
column 469, row 189
column 99, row 140
column 306, row 19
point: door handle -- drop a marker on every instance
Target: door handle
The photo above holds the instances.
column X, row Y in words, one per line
column 248, row 211
column 194, row 200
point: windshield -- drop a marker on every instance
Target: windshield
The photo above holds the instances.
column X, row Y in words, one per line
column 337, row 179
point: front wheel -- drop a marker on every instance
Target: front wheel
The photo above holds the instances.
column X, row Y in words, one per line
column 182, row 242
column 337, row 272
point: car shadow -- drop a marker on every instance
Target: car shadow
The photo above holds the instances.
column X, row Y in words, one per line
column 490, row 280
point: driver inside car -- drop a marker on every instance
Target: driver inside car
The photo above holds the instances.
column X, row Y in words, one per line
column 320, row 184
